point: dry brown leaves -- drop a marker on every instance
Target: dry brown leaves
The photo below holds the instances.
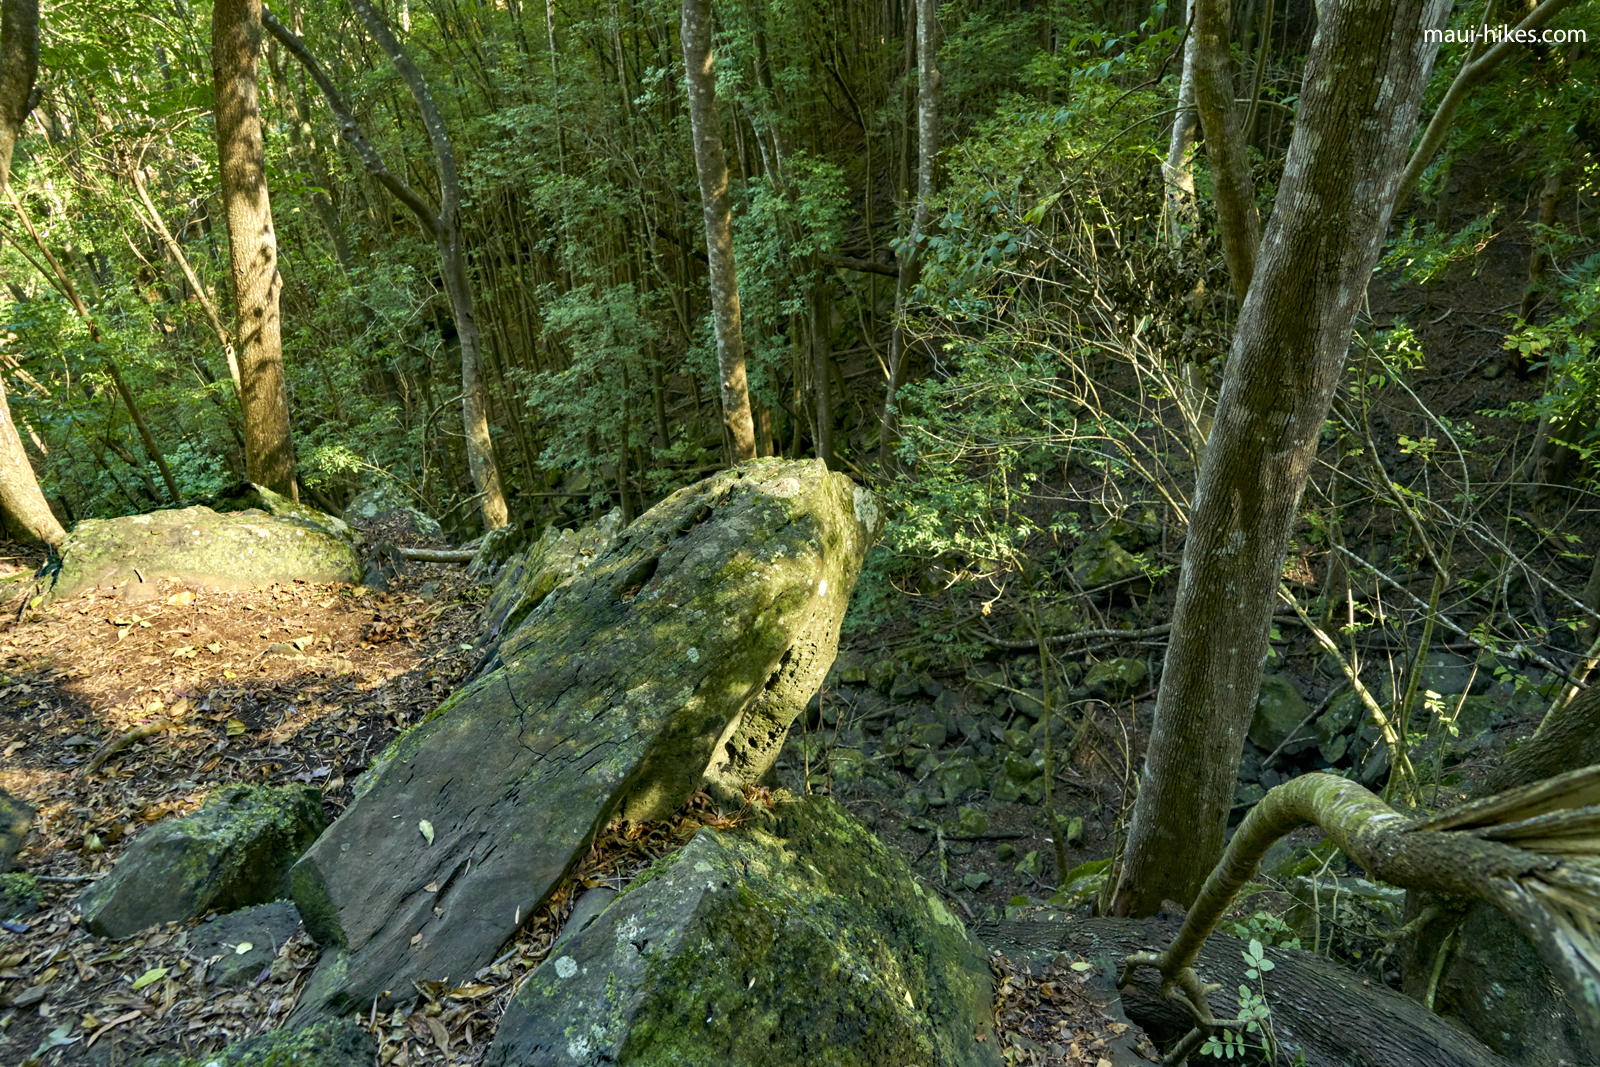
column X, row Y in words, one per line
column 1058, row 1018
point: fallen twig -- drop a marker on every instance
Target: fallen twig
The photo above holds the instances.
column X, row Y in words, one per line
column 131, row 737
column 436, row 555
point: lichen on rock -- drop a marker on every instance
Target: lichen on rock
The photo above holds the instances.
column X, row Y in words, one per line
column 674, row 661
column 811, row 944
column 336, row 1043
column 267, row 540
column 234, row 852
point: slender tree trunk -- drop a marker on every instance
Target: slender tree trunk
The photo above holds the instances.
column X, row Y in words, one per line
column 1472, row 74
column 1539, row 259
column 712, row 166
column 928, row 78
column 474, row 402
column 1178, row 170
column 1233, row 188
column 252, row 245
column 22, row 503
column 1288, row 354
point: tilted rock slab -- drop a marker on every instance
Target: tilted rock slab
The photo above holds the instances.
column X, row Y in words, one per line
column 811, row 944
column 269, row 541
column 677, row 658
column 234, row 852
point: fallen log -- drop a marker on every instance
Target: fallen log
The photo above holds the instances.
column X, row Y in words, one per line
column 675, row 661
column 1320, row 1010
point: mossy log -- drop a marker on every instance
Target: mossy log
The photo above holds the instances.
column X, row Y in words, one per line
column 1320, row 1009
column 1529, row 852
column 674, row 662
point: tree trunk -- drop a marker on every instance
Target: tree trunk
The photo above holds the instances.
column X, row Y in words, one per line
column 1178, row 170
column 21, row 501
column 1286, row 362
column 252, row 245
column 447, row 231
column 1319, row 1009
column 1539, row 259
column 1232, row 186
column 928, row 79
column 712, row 166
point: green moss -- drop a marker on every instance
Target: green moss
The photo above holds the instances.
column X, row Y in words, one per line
column 19, row 895
column 337, row 1043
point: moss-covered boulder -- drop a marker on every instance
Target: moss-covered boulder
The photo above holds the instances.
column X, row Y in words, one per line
column 1280, row 709
column 16, row 819
column 256, row 539
column 674, row 661
column 525, row 578
column 19, row 895
column 235, row 851
column 813, row 944
column 336, row 1043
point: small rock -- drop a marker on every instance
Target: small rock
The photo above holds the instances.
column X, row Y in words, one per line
column 970, row 728
column 1031, row 866
column 1029, row 702
column 976, row 880
column 1075, row 832
column 950, row 701
column 972, row 822
column 1005, row 851
column 1020, row 770
column 881, row 675
column 16, row 819
column 264, row 928
column 1114, row 679
column 1246, row 794
column 1101, row 561
column 916, row 801
column 234, row 852
column 929, row 734
column 19, row 895
column 1279, row 709
column 906, row 686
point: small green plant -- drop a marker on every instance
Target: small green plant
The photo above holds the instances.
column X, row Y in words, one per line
column 1255, row 1016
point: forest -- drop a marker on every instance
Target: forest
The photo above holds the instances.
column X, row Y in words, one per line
column 1144, row 458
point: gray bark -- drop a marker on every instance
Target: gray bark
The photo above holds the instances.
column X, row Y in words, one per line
column 1286, row 361
column 1233, row 188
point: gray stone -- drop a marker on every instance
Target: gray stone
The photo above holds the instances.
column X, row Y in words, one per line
column 373, row 501
column 906, row 686
column 19, row 895
column 16, row 819
column 972, row 821
column 589, row 907
column 336, row 1043
column 990, row 684
column 526, row 578
column 1279, row 709
column 273, row 545
column 1114, row 679
column 881, row 675
column 1029, row 702
column 498, row 547
column 263, row 928
column 1101, row 561
column 815, row 944
column 235, row 851
column 673, row 662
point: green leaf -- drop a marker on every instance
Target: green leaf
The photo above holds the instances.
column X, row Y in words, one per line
column 427, row 830
column 153, row 975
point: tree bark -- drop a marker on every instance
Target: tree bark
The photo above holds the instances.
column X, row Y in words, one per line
column 452, row 258
column 1233, row 188
column 21, row 499
column 252, row 245
column 712, row 165
column 1319, row 1009
column 1178, row 171
column 928, row 79
column 1286, row 361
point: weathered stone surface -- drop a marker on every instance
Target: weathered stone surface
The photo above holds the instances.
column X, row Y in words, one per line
column 526, row 578
column 16, row 819
column 268, row 541
column 497, row 548
column 1102, row 561
column 1111, row 679
column 676, row 659
column 812, row 945
column 19, row 895
column 1279, row 709
column 233, row 852
column 263, row 928
column 337, row 1043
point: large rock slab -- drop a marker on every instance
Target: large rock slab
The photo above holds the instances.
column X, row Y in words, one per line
column 813, row 944
column 234, row 852
column 676, row 659
column 268, row 540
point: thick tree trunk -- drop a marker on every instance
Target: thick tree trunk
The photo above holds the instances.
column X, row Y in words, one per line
column 1319, row 1009
column 1233, row 188
column 928, row 79
column 1178, row 171
column 21, row 500
column 1286, row 361
column 447, row 231
column 252, row 245
column 712, row 166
